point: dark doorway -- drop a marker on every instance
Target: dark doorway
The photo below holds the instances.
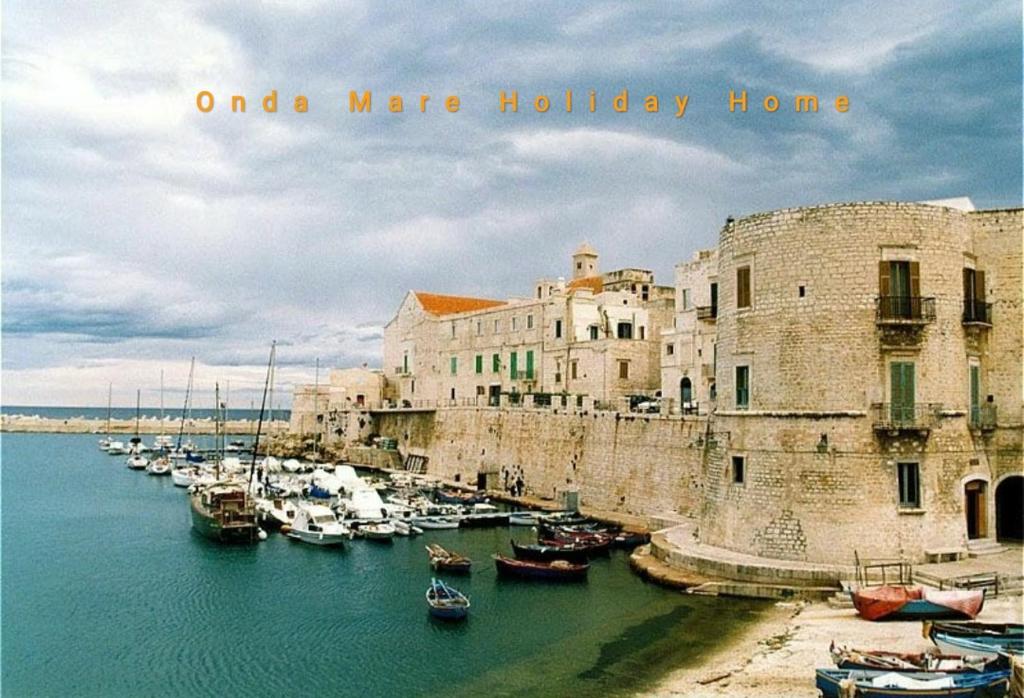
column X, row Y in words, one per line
column 974, row 504
column 1009, row 517
column 685, row 394
column 494, row 395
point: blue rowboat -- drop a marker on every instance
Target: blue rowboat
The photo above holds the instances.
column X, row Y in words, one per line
column 446, row 603
column 835, row 683
column 979, row 645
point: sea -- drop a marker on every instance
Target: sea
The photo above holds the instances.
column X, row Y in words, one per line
column 107, row 591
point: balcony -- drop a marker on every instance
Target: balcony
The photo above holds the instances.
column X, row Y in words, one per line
column 904, row 310
column 894, row 419
column 401, row 371
column 983, row 417
column 977, row 312
column 707, row 312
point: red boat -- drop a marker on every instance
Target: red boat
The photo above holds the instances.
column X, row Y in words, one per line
column 557, row 570
column 916, row 603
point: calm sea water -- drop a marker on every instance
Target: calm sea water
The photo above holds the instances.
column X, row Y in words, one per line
column 106, row 591
column 129, row 412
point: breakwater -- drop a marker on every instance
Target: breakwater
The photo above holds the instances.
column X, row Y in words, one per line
column 43, row 425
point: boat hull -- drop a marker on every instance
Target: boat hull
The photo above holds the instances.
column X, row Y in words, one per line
column 982, row 685
column 318, row 538
column 545, row 553
column 210, row 528
column 540, row 571
column 988, row 647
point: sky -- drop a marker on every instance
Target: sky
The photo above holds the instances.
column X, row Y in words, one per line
column 138, row 232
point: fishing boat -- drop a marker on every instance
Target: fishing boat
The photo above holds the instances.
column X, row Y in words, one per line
column 436, row 523
column 522, row 518
column 916, row 603
column 840, row 683
column 446, row 602
column 377, row 530
column 224, row 512
column 592, row 547
column 847, row 658
column 556, row 570
column 444, row 560
column 455, row 497
column 983, row 639
column 317, row 524
column 539, row 551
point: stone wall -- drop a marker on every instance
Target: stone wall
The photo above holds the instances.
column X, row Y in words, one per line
column 625, row 463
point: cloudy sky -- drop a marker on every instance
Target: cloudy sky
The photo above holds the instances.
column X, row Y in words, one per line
column 138, row 232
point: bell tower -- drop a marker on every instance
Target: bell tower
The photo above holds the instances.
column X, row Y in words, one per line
column 584, row 262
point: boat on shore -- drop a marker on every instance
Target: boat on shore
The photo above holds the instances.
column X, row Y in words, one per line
column 443, row 560
column 841, row 683
column 988, row 640
column 848, row 658
column 556, row 570
column 223, row 512
column 446, row 602
column 916, row 603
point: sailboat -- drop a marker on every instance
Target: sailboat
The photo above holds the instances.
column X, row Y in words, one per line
column 137, row 461
column 183, row 450
column 105, row 442
column 163, row 441
column 224, row 511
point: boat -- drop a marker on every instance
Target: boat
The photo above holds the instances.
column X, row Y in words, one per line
column 445, row 602
column 556, row 570
column 916, row 603
column 448, row 496
column 593, row 547
column 116, row 448
column 863, row 683
column 444, row 560
column 847, row 658
column 987, row 640
column 224, row 512
column 183, row 477
column 629, row 541
column 404, row 528
column 106, row 441
column 317, row 524
column 522, row 518
column 275, row 512
column 160, row 466
column 436, row 523
column 378, row 530
column 539, row 551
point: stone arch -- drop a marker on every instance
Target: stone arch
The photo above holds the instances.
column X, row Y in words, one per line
column 685, row 393
column 1009, row 494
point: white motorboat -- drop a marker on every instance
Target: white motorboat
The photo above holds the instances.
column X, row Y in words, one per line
column 436, row 523
column 522, row 518
column 380, row 530
column 160, row 466
column 275, row 512
column 318, row 525
column 137, row 461
column 163, row 443
column 116, row 448
column 292, row 466
column 404, row 528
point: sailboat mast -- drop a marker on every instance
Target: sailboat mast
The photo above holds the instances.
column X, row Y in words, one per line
column 161, row 402
column 110, row 395
column 184, row 406
column 216, row 428
column 316, row 411
column 138, row 403
column 263, row 406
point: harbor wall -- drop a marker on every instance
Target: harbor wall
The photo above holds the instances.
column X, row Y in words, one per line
column 121, row 427
column 632, row 464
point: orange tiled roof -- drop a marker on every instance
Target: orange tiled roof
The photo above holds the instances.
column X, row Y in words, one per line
column 594, row 283
column 438, row 304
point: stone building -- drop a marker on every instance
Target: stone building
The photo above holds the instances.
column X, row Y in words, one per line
column 344, row 389
column 595, row 335
column 869, row 388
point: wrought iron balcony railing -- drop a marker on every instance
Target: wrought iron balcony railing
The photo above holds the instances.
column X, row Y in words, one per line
column 977, row 312
column 904, row 310
column 889, row 416
column 707, row 312
column 983, row 417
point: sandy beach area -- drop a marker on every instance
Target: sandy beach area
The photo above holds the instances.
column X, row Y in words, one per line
column 778, row 655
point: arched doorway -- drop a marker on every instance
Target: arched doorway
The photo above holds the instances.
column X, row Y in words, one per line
column 685, row 394
column 1009, row 516
column 976, row 508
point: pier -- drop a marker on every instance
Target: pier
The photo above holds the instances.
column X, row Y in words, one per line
column 75, row 425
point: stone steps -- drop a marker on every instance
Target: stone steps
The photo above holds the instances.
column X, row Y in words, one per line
column 987, row 546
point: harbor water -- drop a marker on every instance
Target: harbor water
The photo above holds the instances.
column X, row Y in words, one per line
column 106, row 591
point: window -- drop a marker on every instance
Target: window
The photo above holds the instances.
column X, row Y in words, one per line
column 573, row 369
column 801, row 291
column 593, row 331
column 910, row 484
column 739, row 464
column 901, row 393
column 453, row 393
column 513, row 365
column 975, row 309
column 497, row 326
column 412, row 389
column 624, row 330
column 742, row 387
column 643, row 332
column 714, row 300
column 623, row 370
column 479, row 363
column 514, row 323
column 480, row 391
column 529, row 322
column 579, row 265
column 453, row 329
column 899, row 289
column 644, row 293
column 670, row 349
column 539, row 291
column 479, row 328
column 405, row 362
column 975, row 393
column 743, row 287
column 455, row 365
column 558, row 329
column 496, row 363
column 529, row 365
column 558, row 377
column 684, row 299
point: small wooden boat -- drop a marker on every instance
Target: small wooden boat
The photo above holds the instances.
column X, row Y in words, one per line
column 847, row 658
column 456, row 497
column 522, row 518
column 380, row 530
column 629, row 541
column 593, row 547
column 542, row 552
column 556, row 570
column 839, row 683
column 983, row 639
column 436, row 523
column 916, row 603
column 446, row 602
column 447, row 561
